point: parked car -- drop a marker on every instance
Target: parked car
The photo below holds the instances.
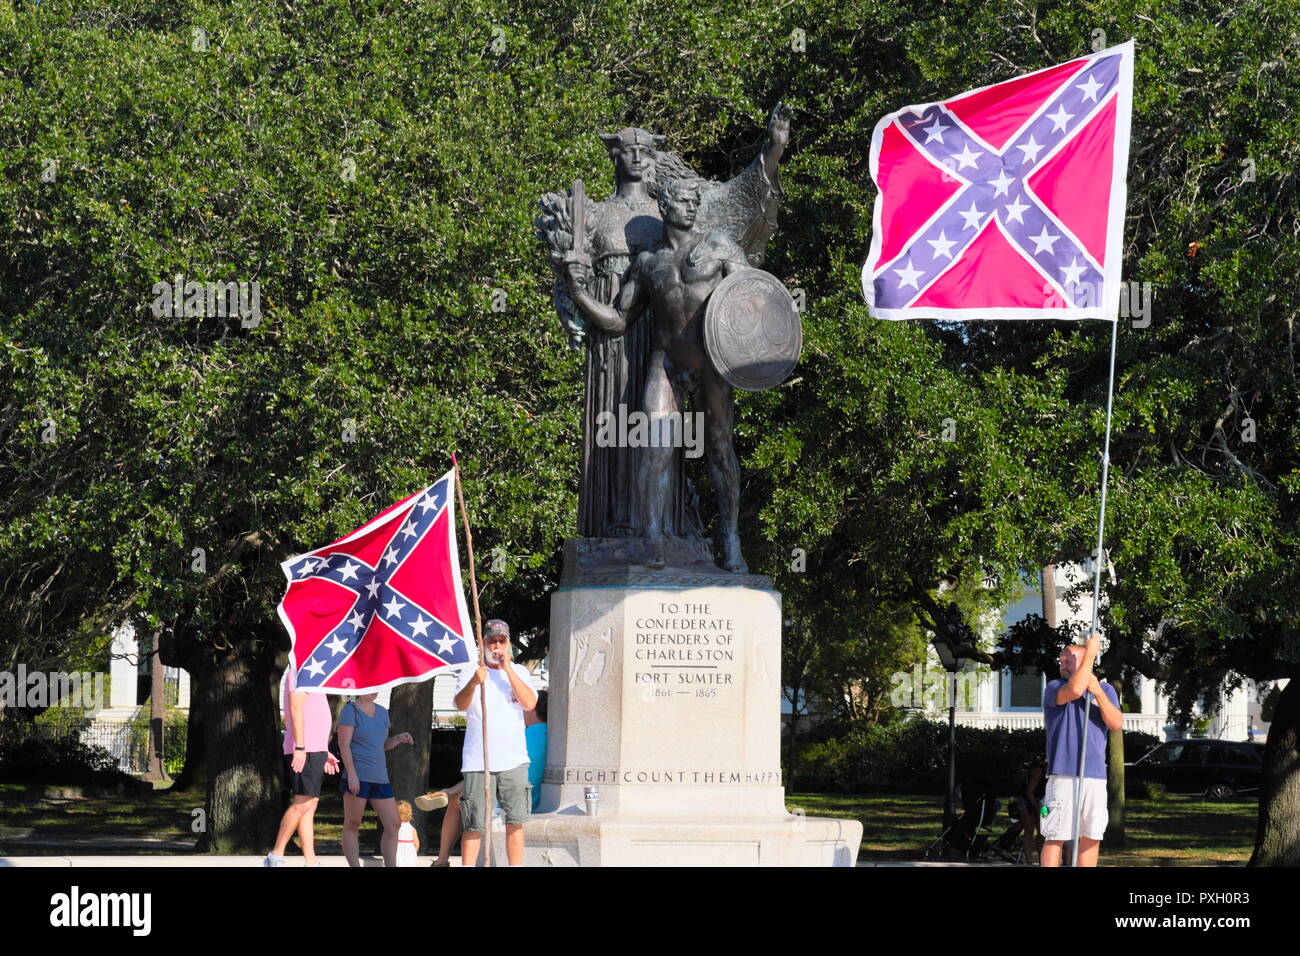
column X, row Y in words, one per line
column 1216, row 768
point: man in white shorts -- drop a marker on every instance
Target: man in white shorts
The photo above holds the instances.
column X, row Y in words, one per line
column 1063, row 705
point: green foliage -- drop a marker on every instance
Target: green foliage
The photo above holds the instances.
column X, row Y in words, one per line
column 172, row 435
column 31, row 752
column 1147, row 789
column 175, row 727
column 911, row 756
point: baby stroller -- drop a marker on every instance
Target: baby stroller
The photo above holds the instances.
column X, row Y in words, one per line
column 1009, row 847
column 969, row 835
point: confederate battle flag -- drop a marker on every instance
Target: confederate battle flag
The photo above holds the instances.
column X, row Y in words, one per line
column 382, row 605
column 1006, row 202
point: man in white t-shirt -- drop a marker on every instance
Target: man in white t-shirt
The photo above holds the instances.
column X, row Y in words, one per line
column 508, row 696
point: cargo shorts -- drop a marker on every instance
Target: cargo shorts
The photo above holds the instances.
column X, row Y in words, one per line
column 1058, row 822
column 509, row 788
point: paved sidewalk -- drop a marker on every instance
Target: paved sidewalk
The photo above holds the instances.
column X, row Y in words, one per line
column 190, row 861
column 197, row 860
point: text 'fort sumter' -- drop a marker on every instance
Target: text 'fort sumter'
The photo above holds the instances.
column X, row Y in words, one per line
column 684, row 650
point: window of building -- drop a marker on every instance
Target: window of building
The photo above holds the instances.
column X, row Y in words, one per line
column 1022, row 691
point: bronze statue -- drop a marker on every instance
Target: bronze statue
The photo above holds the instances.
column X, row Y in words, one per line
column 642, row 493
column 676, row 281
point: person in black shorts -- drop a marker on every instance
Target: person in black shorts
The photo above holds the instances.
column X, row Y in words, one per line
column 306, row 746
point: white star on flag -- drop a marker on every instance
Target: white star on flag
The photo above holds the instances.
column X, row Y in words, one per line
column 350, row 571
column 966, row 157
column 1044, row 241
column 394, row 607
column 1060, row 118
column 909, row 275
column 336, row 645
column 421, row 626
column 935, row 132
column 1073, row 272
column 972, row 216
column 944, row 242
column 1090, row 89
column 315, row 668
column 1016, row 211
column 1002, row 183
column 1031, row 150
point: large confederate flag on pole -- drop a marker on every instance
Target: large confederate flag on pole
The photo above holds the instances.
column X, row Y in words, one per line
column 382, row 605
column 1006, row 202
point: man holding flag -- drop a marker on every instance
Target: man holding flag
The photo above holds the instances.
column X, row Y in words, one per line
column 1063, row 716
column 1007, row 202
column 508, row 696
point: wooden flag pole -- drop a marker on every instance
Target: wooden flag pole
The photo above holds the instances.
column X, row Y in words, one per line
column 482, row 661
column 1096, row 596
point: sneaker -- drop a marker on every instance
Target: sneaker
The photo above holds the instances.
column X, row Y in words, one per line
column 432, row 801
column 272, row 860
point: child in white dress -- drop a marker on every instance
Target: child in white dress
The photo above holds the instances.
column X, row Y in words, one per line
column 408, row 841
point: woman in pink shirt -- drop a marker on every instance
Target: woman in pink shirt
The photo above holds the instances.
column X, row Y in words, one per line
column 309, row 761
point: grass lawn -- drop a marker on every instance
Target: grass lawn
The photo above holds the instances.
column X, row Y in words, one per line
column 1172, row 831
column 160, row 823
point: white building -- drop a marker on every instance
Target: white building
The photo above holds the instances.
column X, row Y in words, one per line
column 110, row 726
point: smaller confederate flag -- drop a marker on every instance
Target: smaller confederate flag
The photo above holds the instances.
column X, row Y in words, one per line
column 1006, row 202
column 383, row 605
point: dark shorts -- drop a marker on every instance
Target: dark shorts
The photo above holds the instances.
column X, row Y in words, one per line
column 365, row 789
column 307, row 783
column 509, row 788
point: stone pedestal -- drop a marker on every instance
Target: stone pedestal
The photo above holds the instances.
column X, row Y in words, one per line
column 665, row 697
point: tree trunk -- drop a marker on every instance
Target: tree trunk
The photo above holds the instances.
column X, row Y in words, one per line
column 193, row 775
column 241, row 739
column 411, row 710
column 155, row 773
column 1277, row 840
column 176, row 652
column 1048, row 578
column 798, row 711
column 1115, row 834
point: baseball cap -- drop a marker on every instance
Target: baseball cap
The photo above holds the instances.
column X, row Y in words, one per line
column 496, row 626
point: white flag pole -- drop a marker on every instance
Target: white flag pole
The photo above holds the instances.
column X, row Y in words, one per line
column 1096, row 594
